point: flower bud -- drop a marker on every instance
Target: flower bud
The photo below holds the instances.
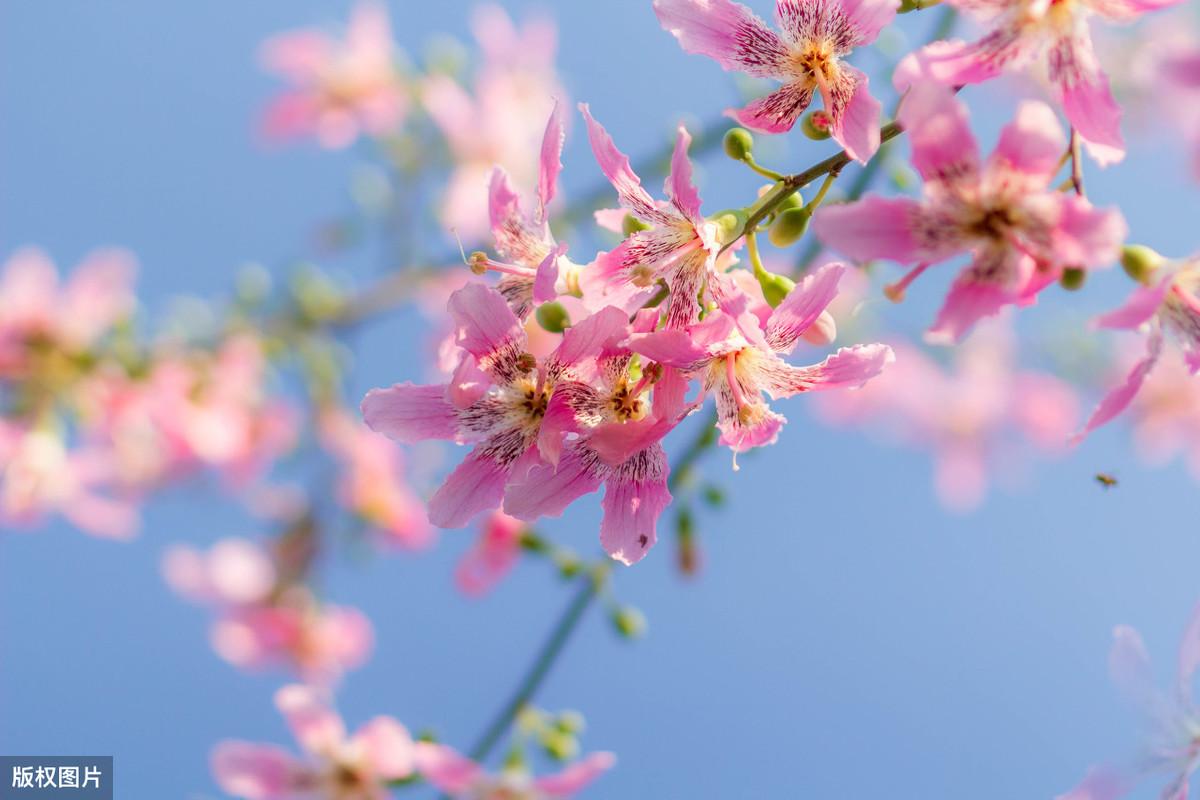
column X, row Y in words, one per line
column 821, row 332
column 559, row 745
column 629, row 622
column 793, row 200
column 774, row 287
column 1140, row 262
column 1072, row 278
column 552, row 317
column 570, row 722
column 815, row 125
column 789, row 226
column 738, row 144
column 730, row 224
column 631, row 225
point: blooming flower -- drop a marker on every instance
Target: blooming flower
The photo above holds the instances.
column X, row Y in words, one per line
column 493, row 555
column 339, row 89
column 738, row 358
column 1172, row 303
column 1174, row 744
column 497, row 398
column 1165, row 416
column 680, row 246
column 462, row 778
column 334, row 766
column 1054, row 35
column 806, row 56
column 1020, row 233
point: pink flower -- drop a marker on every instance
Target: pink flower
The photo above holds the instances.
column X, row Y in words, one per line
column 493, row 555
column 334, row 765
column 233, row 572
column 39, row 475
column 807, row 56
column 680, row 247
column 973, row 416
column 497, row 398
column 1171, row 304
column 499, row 122
column 1165, row 416
column 1174, row 747
column 1020, row 233
column 371, row 481
column 738, row 358
column 339, row 89
column 459, row 777
column 1053, row 36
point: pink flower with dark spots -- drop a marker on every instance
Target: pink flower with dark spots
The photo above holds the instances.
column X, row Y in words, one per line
column 807, row 55
column 1048, row 35
column 463, row 779
column 1019, row 231
column 339, row 89
column 1171, row 304
column 335, row 765
column 680, row 246
column 497, row 399
column 738, row 358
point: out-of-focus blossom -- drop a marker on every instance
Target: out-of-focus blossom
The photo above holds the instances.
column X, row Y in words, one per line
column 500, row 120
column 39, row 314
column 1165, row 415
column 738, row 357
column 371, row 481
column 1172, row 747
column 1170, row 303
column 39, row 475
column 1052, row 35
column 463, row 779
column 334, row 764
column 1020, row 233
column 492, row 556
column 806, row 55
column 263, row 620
column 338, row 89
column 973, row 416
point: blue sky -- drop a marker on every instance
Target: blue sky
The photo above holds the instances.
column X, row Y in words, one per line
column 847, row 637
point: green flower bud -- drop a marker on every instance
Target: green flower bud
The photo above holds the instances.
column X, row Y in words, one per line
column 775, row 287
column 815, row 125
column 738, row 144
column 629, row 622
column 1140, row 262
column 789, row 226
column 730, row 224
column 793, row 200
column 1072, row 278
column 570, row 722
column 559, row 745
column 552, row 317
column 631, row 225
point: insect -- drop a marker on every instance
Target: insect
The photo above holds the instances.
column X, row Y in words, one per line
column 1106, row 480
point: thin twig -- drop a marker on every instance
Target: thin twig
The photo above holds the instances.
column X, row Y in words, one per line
column 1076, row 164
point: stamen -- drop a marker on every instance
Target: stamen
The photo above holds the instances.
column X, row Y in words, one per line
column 735, row 387
column 895, row 291
column 480, row 263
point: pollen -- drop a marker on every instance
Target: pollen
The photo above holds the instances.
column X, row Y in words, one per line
column 816, row 62
column 626, row 405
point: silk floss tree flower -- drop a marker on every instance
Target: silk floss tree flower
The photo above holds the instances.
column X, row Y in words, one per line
column 1054, row 36
column 335, row 765
column 807, row 55
column 463, row 779
column 1020, row 233
column 492, row 556
column 738, row 358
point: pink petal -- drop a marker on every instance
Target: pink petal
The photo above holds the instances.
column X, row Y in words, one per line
column 971, row 298
column 615, row 166
column 1125, row 10
column 1129, row 667
column 546, row 279
column 684, row 350
column 849, row 367
column 605, row 328
column 853, row 114
column 316, row 726
column 240, row 571
column 1119, row 398
column 868, row 17
column 1033, row 143
column 550, row 163
column 874, row 227
column 725, row 31
column 776, row 112
column 1087, row 236
column 955, row 62
column 476, row 485
column 679, row 185
column 487, row 329
column 547, row 490
column 1086, row 97
column 298, row 56
column 943, row 148
column 1139, row 308
column 1189, row 656
column 803, row 305
column 410, row 413
column 576, row 777
column 634, row 497
column 494, row 553
column 369, row 32
column 388, row 748
column 468, row 383
column 446, row 769
column 254, row 771
column 1100, row 783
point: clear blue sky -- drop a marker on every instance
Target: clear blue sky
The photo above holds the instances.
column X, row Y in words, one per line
column 847, row 639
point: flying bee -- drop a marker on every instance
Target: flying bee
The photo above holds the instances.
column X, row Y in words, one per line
column 1106, row 480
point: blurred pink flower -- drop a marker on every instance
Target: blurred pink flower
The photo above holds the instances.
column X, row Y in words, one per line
column 492, row 556
column 339, row 89
column 1165, row 416
column 371, row 481
column 334, row 765
column 463, row 779
column 970, row 416
column 500, row 120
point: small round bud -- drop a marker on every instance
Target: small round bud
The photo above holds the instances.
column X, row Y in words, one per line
column 738, row 144
column 631, row 225
column 821, row 332
column 730, row 224
column 815, row 125
column 1072, row 278
column 774, row 287
column 552, row 317
column 570, row 722
column 559, row 745
column 1140, row 262
column 629, row 622
column 793, row 200
column 789, row 226
column 527, row 362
